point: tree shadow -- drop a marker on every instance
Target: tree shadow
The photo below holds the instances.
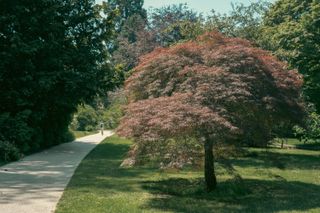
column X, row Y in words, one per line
column 236, row 195
column 309, row 146
column 280, row 160
column 101, row 170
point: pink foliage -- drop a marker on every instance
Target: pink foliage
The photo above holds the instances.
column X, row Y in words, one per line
column 217, row 86
column 169, row 117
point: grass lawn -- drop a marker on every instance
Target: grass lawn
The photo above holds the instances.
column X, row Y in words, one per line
column 310, row 145
column 79, row 134
column 273, row 181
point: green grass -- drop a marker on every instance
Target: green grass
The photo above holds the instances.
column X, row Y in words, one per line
column 262, row 181
column 79, row 134
column 310, row 145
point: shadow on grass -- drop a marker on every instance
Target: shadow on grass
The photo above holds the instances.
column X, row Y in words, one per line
column 99, row 174
column 236, row 195
column 309, row 146
column 100, row 169
column 271, row 159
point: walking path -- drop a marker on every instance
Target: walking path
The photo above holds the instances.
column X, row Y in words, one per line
column 36, row 183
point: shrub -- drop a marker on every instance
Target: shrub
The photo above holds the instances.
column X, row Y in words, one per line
column 86, row 119
column 8, row 151
column 114, row 112
column 68, row 137
column 311, row 131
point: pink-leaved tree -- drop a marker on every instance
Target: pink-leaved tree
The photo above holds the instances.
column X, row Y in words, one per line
column 214, row 89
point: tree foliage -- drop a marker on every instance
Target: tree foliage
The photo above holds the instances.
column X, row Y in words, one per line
column 86, row 119
column 242, row 22
column 311, row 131
column 165, row 26
column 126, row 9
column 52, row 58
column 292, row 30
column 173, row 23
column 214, row 89
column 133, row 41
column 114, row 112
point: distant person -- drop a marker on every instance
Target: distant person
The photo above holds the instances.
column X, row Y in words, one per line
column 101, row 127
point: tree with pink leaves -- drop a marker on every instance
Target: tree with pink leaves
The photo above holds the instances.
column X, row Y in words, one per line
column 214, row 90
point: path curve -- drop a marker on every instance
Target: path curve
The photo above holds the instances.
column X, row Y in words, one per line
column 36, row 183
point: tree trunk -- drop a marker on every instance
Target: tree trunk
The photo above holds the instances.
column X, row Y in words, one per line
column 209, row 174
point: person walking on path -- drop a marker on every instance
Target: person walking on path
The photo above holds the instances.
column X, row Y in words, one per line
column 101, row 127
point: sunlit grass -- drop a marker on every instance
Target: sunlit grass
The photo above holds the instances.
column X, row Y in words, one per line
column 271, row 180
column 295, row 143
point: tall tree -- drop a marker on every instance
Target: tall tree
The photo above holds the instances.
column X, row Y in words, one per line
column 131, row 25
column 243, row 21
column 52, row 57
column 215, row 89
column 166, row 26
column 127, row 9
column 174, row 23
column 133, row 41
column 292, row 30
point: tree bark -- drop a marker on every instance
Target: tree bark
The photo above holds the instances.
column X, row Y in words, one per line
column 209, row 174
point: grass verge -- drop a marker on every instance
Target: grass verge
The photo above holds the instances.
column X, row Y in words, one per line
column 263, row 181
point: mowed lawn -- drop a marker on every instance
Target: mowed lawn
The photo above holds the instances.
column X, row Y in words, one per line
column 263, row 181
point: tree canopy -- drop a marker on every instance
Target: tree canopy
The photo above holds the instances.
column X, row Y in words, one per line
column 164, row 26
column 173, row 23
column 127, row 9
column 242, row 21
column 292, row 30
column 53, row 56
column 214, row 89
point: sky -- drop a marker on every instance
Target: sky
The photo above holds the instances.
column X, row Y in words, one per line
column 203, row 6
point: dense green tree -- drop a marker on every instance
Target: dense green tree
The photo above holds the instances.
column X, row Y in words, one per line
column 86, row 119
column 133, row 41
column 292, row 30
column 127, row 9
column 243, row 21
column 139, row 36
column 311, row 131
column 52, row 57
column 130, row 24
column 174, row 23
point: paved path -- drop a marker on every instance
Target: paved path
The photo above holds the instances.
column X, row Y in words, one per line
column 36, row 183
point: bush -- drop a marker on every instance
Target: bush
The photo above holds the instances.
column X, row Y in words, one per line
column 15, row 135
column 112, row 116
column 311, row 131
column 86, row 119
column 114, row 112
column 8, row 151
column 68, row 137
